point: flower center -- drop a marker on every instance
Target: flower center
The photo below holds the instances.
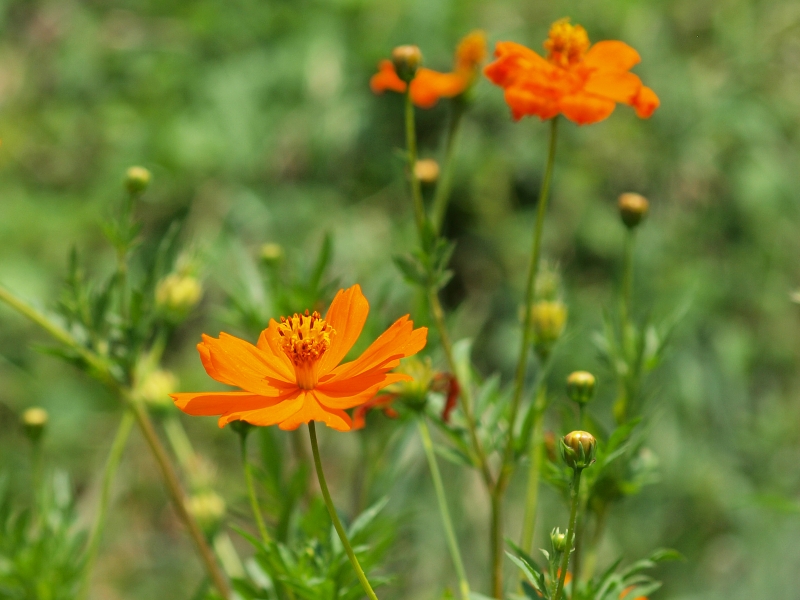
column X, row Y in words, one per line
column 566, row 43
column 304, row 339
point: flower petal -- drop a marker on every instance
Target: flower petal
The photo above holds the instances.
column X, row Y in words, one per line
column 283, row 408
column 524, row 102
column 312, row 410
column 619, row 86
column 428, row 86
column 347, row 315
column 645, row 102
column 611, row 55
column 515, row 61
column 206, row 404
column 386, row 79
column 348, row 393
column 269, row 343
column 583, row 108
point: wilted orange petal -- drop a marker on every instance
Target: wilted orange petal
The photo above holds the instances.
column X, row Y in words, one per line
column 386, row 79
column 619, row 86
column 206, row 404
column 312, row 410
column 646, row 102
column 347, row 315
column 428, row 86
column 583, row 108
column 611, row 55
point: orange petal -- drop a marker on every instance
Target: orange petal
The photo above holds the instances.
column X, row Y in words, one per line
column 524, row 102
column 471, row 51
column 619, row 86
column 400, row 340
column 236, row 362
column 347, row 315
column 515, row 61
column 283, row 408
column 583, row 108
column 206, row 404
column 269, row 343
column 311, row 410
column 348, row 393
column 645, row 102
column 611, row 55
column 428, row 86
column 386, row 79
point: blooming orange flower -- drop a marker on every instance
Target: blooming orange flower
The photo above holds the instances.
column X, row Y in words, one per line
column 428, row 86
column 292, row 375
column 581, row 82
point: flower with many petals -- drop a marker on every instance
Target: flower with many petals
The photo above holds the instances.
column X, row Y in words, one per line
column 428, row 86
column 294, row 374
column 581, row 82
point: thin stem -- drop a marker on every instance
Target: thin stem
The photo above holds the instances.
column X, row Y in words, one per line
column 337, row 524
column 496, row 542
column 178, row 500
column 627, row 277
column 445, row 184
column 534, row 472
column 447, row 522
column 573, row 515
column 416, row 188
column 112, row 463
column 251, row 492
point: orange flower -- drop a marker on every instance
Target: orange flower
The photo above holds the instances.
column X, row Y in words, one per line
column 428, row 86
column 583, row 83
column 293, row 376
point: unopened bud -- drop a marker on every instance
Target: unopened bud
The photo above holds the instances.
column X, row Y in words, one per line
column 154, row 391
column 558, row 540
column 580, row 387
column 406, row 59
column 632, row 209
column 34, row 421
column 578, row 449
column 427, row 170
column 548, row 319
column 178, row 293
column 271, row 253
column 208, row 508
column 137, row 179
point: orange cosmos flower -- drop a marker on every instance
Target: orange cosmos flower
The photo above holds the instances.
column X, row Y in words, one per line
column 428, row 86
column 583, row 83
column 293, row 376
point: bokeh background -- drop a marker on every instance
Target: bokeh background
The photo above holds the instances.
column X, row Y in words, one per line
column 256, row 120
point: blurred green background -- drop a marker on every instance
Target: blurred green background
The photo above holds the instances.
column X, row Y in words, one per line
column 256, row 120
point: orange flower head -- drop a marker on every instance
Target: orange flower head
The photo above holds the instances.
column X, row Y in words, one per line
column 582, row 82
column 295, row 374
column 429, row 86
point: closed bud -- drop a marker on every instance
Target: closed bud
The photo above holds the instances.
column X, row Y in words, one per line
column 558, row 540
column 632, row 209
column 578, row 449
column 178, row 294
column 271, row 253
column 154, row 390
column 208, row 509
column 427, row 171
column 406, row 59
column 580, row 387
column 548, row 318
column 34, row 421
column 137, row 179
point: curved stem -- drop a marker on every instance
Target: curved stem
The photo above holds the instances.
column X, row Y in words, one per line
column 573, row 515
column 337, row 524
column 112, row 463
column 534, row 472
column 445, row 184
column 251, row 492
column 447, row 522
column 416, row 189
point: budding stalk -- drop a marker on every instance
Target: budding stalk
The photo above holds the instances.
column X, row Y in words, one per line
column 632, row 209
column 406, row 59
column 137, row 179
column 578, row 449
column 580, row 387
column 34, row 421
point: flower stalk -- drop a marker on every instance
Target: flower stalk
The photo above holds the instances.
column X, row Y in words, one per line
column 445, row 184
column 573, row 515
column 337, row 524
column 534, row 472
column 251, row 491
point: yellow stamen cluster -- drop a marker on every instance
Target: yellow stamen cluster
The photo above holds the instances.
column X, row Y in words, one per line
column 304, row 339
column 566, row 43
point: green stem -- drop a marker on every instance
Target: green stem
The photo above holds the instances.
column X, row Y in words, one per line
column 251, row 492
column 496, row 542
column 627, row 278
column 416, row 188
column 337, row 524
column 445, row 184
column 534, row 473
column 447, row 522
column 112, row 463
column 573, row 515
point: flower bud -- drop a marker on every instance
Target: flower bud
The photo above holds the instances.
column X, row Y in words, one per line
column 34, row 421
column 548, row 318
column 154, row 391
column 632, row 209
column 578, row 449
column 406, row 59
column 178, row 294
column 208, row 508
column 427, row 171
column 271, row 253
column 137, row 179
column 580, row 387
column 558, row 540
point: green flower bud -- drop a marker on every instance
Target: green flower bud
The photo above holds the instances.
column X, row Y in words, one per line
column 578, row 449
column 632, row 209
column 548, row 318
column 208, row 508
column 34, row 421
column 580, row 387
column 558, row 540
column 406, row 59
column 178, row 294
column 271, row 253
column 137, row 179
column 154, row 391
column 427, row 171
